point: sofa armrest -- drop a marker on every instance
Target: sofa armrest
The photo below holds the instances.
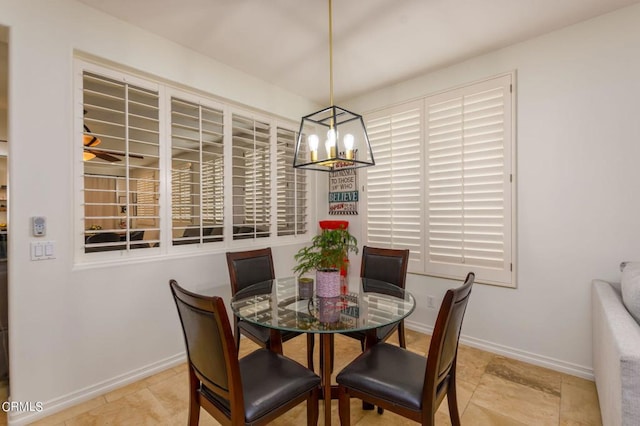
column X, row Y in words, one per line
column 616, row 356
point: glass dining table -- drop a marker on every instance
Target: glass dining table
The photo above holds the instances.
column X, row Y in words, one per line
column 364, row 305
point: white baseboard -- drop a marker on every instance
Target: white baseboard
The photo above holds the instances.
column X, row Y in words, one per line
column 58, row 404
column 509, row 352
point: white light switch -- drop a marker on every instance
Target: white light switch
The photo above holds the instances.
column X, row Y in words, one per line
column 43, row 250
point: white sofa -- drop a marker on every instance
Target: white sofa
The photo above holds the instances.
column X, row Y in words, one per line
column 616, row 356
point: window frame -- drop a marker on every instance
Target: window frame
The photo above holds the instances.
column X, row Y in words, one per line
column 505, row 276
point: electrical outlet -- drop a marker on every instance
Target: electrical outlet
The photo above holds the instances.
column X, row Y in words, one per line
column 431, row 302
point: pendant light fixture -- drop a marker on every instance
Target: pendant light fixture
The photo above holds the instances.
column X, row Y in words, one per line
column 332, row 138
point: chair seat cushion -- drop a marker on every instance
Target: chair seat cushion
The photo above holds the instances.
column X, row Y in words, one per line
column 389, row 372
column 263, row 333
column 270, row 380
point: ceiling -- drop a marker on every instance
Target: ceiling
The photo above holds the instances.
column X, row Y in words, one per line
column 376, row 42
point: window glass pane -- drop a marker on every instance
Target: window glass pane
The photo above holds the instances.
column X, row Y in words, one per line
column 292, row 188
column 251, row 171
column 197, row 172
column 121, row 167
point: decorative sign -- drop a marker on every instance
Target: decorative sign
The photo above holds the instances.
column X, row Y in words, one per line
column 343, row 191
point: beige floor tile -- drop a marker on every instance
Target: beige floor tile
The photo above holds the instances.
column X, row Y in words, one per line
column 159, row 377
column 182, row 368
column 69, row 413
column 529, row 375
column 126, row 390
column 418, row 342
column 472, row 364
column 578, row 381
column 464, row 391
column 516, row 401
column 475, row 415
column 181, row 419
column 134, row 387
column 140, row 408
column 492, row 390
column 579, row 404
column 172, row 393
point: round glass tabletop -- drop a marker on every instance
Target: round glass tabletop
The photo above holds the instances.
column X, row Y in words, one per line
column 282, row 304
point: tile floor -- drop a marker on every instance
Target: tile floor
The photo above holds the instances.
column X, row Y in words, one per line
column 492, row 390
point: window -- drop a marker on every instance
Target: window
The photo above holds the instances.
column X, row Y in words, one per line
column 228, row 173
column 292, row 188
column 442, row 185
column 121, row 167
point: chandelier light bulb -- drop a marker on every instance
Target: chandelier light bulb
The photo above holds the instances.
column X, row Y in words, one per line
column 348, row 146
column 330, row 144
column 313, row 142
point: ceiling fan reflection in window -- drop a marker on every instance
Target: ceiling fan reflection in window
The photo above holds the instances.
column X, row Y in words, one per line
column 89, row 141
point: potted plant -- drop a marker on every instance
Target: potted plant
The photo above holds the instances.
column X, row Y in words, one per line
column 328, row 252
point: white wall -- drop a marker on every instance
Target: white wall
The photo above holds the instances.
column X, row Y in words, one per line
column 578, row 145
column 78, row 332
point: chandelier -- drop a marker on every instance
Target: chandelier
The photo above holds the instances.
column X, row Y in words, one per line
column 335, row 137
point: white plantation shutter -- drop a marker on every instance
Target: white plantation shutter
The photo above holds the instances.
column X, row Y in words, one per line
column 393, row 187
column 291, row 187
column 251, row 146
column 442, row 183
column 121, row 178
column 152, row 156
column 197, row 174
column 468, row 188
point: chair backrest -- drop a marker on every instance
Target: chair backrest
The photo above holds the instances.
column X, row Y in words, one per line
column 136, row 235
column 194, row 231
column 249, row 267
column 383, row 264
column 443, row 349
column 211, row 349
column 103, row 237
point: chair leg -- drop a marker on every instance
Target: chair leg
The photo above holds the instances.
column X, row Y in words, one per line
column 401, row 336
column 236, row 334
column 194, row 406
column 333, row 351
column 313, row 412
column 344, row 406
column 311, row 342
column 452, row 400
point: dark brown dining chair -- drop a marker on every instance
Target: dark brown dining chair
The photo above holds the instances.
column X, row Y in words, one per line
column 251, row 267
column 404, row 382
column 253, row 390
column 389, row 265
